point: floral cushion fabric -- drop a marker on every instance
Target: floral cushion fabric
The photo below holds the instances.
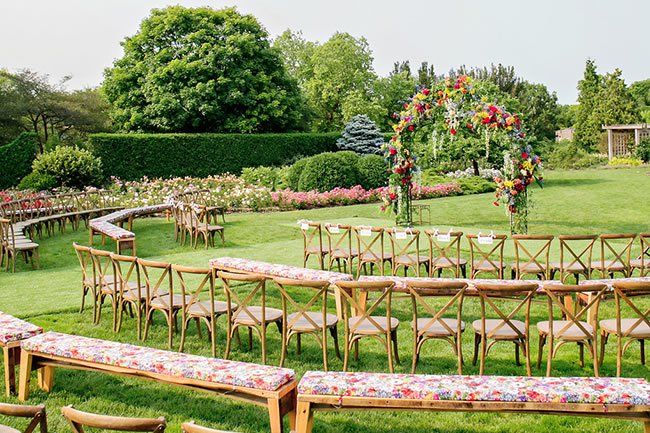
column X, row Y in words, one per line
column 616, row 280
column 401, row 282
column 231, row 373
column 105, row 224
column 276, row 270
column 14, row 329
column 601, row 390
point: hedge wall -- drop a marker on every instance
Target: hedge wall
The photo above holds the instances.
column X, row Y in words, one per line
column 131, row 156
column 16, row 159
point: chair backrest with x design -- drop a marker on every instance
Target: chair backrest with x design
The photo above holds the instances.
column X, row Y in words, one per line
column 532, row 261
column 157, row 280
column 78, row 420
column 318, row 294
column 84, row 256
column 36, row 413
column 580, row 314
column 354, row 295
column 190, row 427
column 644, row 257
column 339, row 238
column 405, row 247
column 127, row 274
column 624, row 292
column 420, row 290
column 196, row 285
column 576, row 253
column 615, row 253
column 243, row 290
column 312, row 239
column 370, row 245
column 482, row 251
column 444, row 250
column 104, row 267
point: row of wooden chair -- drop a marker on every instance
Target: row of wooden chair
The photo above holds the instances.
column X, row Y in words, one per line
column 78, row 420
column 193, row 222
column 344, row 245
column 14, row 244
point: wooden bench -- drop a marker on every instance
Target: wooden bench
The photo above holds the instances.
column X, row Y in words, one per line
column 614, row 398
column 111, row 225
column 12, row 331
column 270, row 387
column 271, row 270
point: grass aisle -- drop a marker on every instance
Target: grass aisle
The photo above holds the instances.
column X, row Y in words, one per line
column 590, row 201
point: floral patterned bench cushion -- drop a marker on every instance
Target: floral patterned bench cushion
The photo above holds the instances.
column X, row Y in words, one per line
column 401, row 282
column 609, row 282
column 603, row 390
column 105, row 224
column 14, row 329
column 230, row 373
column 276, row 270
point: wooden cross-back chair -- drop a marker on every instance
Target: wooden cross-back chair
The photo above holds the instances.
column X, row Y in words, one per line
column 370, row 245
column 627, row 329
column 36, row 413
column 78, row 420
column 405, row 250
column 614, row 258
column 642, row 262
column 482, row 253
column 574, row 327
column 312, row 242
column 444, row 253
column 160, row 296
column 198, row 302
column 308, row 318
column 434, row 324
column 105, row 274
column 241, row 291
column 360, row 322
column 188, row 221
column 190, row 427
column 339, row 246
column 576, row 252
column 12, row 247
column 88, row 276
column 129, row 290
column 506, row 326
column 529, row 261
column 205, row 228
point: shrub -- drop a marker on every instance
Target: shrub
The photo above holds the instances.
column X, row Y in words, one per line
column 361, row 135
column 327, row 171
column 469, row 185
column 16, row 159
column 373, row 171
column 132, row 156
column 35, row 181
column 264, row 176
column 70, row 166
column 292, row 179
column 567, row 155
column 624, row 162
column 642, row 151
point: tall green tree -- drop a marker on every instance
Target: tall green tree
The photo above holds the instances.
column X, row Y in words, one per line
column 640, row 90
column 617, row 105
column 539, row 109
column 587, row 127
column 296, row 53
column 202, row 70
column 392, row 92
column 426, row 75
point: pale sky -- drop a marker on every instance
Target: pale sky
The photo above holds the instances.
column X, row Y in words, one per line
column 547, row 41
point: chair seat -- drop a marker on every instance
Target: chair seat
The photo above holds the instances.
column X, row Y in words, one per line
column 244, row 316
column 24, row 246
column 7, row 429
column 505, row 332
column 568, row 267
column 364, row 326
column 304, row 325
column 316, row 250
column 342, row 254
column 210, row 228
column 529, row 268
column 407, row 259
column 374, row 257
column 437, row 329
column 636, row 263
column 484, row 265
column 613, row 266
column 572, row 333
column 447, row 262
column 203, row 308
column 164, row 301
column 642, row 330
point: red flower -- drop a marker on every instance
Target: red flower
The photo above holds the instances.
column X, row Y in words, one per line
column 470, row 126
column 426, row 92
column 406, row 106
column 453, row 131
column 392, row 150
column 524, row 155
column 411, row 128
column 392, row 196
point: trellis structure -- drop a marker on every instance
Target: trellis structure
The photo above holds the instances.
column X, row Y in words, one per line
column 620, row 138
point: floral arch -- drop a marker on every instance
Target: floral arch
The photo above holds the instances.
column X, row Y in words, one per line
column 456, row 109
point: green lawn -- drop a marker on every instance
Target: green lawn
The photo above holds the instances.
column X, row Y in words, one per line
column 590, row 201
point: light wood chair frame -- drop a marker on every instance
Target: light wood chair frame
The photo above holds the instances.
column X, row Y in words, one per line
column 204, row 229
column 446, row 256
column 366, row 247
column 486, row 255
column 88, row 276
column 622, row 255
column 355, row 304
column 644, row 257
column 401, row 249
column 341, row 241
column 582, row 258
column 191, row 427
column 78, row 420
column 36, row 413
column 154, row 287
column 541, row 268
column 312, row 233
column 127, row 280
column 301, row 310
column 522, row 294
column 106, row 286
column 455, row 291
column 11, row 248
column 623, row 291
column 556, row 295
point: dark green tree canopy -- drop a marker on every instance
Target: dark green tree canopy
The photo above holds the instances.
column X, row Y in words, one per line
column 202, row 70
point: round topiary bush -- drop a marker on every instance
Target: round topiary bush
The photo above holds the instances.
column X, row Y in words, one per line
column 373, row 171
column 70, row 167
column 292, row 178
column 327, row 171
column 37, row 182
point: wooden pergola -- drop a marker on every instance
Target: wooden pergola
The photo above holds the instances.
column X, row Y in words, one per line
column 621, row 137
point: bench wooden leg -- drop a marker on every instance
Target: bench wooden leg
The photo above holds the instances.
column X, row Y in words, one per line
column 275, row 415
column 305, row 417
column 25, row 375
column 10, row 354
column 46, row 378
column 646, row 427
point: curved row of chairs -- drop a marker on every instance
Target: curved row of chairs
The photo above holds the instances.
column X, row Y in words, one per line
column 37, row 417
column 146, row 287
column 363, row 247
column 24, row 219
column 193, row 222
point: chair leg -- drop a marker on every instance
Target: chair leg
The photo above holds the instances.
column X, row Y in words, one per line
column 335, row 337
column 581, row 347
column 517, row 361
column 414, row 359
column 393, row 335
column 603, row 341
column 642, row 348
column 540, row 350
column 477, row 341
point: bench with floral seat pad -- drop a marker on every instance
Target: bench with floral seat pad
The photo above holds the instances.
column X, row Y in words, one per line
column 110, row 225
column 12, row 331
column 401, row 282
column 617, row 398
column 239, row 265
column 267, row 386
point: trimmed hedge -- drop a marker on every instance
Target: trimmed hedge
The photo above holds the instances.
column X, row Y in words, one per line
column 16, row 159
column 132, row 156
